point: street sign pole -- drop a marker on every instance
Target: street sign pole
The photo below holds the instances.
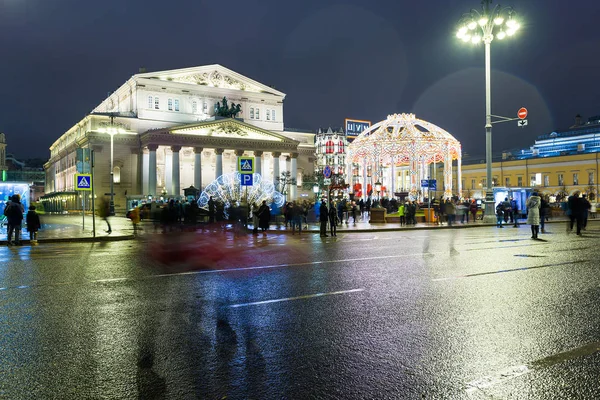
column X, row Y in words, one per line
column 92, row 156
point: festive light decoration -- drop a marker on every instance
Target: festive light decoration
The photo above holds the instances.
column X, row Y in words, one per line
column 404, row 140
column 228, row 189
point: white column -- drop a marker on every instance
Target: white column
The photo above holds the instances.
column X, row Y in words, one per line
column 294, row 174
column 459, row 176
column 219, row 163
column 258, row 162
column 168, row 170
column 145, row 169
column 176, row 176
column 198, row 167
column 364, row 178
column 152, row 169
column 276, row 174
column 393, row 183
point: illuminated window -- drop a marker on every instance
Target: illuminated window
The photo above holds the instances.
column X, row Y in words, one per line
column 251, row 112
column 340, row 147
column 484, row 182
column 590, row 178
column 156, row 103
column 561, row 180
column 273, row 114
column 194, row 107
column 176, row 104
column 170, row 104
column 472, row 183
column 329, row 147
column 507, row 182
column 257, row 114
column 546, row 180
column 150, row 102
column 117, row 174
column 519, row 181
column 576, row 179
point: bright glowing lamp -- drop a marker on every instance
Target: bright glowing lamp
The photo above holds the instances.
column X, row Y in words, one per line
column 482, row 21
column 501, row 35
column 510, row 31
column 460, row 34
column 475, row 39
column 463, row 30
column 316, row 189
column 466, row 38
column 378, row 186
column 511, row 23
column 498, row 20
column 472, row 25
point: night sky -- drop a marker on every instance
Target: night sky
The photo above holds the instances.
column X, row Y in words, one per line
column 333, row 59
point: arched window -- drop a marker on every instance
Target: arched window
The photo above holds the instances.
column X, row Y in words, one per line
column 329, row 147
column 117, row 174
column 340, row 147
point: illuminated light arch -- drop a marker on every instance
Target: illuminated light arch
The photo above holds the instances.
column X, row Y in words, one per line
column 228, row 189
column 404, row 140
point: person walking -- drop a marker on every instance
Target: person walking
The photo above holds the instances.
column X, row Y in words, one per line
column 323, row 218
column 14, row 216
column 332, row 220
column 577, row 207
column 264, row 215
column 514, row 212
column 473, row 210
column 104, row 213
column 506, row 209
column 586, row 210
column 401, row 214
column 544, row 213
column 134, row 215
column 211, row 210
column 533, row 214
column 33, row 225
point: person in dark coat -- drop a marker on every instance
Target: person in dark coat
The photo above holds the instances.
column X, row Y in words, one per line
column 14, row 216
column 323, row 218
column 264, row 215
column 332, row 220
column 33, row 224
column 578, row 207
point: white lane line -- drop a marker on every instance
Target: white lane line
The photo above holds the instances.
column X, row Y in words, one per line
column 308, row 296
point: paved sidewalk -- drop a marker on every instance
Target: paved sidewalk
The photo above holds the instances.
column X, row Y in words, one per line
column 72, row 228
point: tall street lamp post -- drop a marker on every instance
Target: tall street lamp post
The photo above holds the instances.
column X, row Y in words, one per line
column 112, row 130
column 477, row 26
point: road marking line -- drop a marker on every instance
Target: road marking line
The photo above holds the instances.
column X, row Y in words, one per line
column 308, row 296
column 502, row 271
column 518, row 370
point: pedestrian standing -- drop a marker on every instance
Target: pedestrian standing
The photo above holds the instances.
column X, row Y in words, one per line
column 354, row 211
column 473, row 210
column 33, row 224
column 401, row 213
column 332, row 220
column 586, row 210
column 533, row 214
column 577, row 208
column 499, row 215
column 134, row 215
column 514, row 212
column 14, row 216
column 544, row 213
column 323, row 218
column 450, row 211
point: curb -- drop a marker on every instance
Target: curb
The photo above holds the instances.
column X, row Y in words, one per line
column 75, row 239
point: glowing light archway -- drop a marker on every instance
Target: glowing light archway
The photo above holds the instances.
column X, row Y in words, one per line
column 403, row 140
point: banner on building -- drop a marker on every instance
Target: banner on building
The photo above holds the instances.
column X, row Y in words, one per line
column 355, row 127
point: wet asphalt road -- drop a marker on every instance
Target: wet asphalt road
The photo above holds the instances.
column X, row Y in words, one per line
column 480, row 313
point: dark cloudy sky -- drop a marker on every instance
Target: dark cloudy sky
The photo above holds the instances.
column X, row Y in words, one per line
column 334, row 59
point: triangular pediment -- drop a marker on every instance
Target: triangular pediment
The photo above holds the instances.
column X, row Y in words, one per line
column 212, row 76
column 231, row 129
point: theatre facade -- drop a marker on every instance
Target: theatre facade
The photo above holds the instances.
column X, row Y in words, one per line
column 167, row 133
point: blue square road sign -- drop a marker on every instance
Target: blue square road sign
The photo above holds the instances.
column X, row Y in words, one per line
column 246, row 179
column 83, row 182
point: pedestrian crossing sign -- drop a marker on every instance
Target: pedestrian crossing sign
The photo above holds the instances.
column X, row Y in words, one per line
column 83, row 182
column 246, row 165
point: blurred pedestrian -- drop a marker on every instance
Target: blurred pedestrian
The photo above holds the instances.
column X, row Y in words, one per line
column 577, row 207
column 14, row 215
column 401, row 214
column 104, row 213
column 33, row 224
column 264, row 216
column 332, row 220
column 134, row 216
column 586, row 210
column 533, row 214
column 499, row 214
column 323, row 218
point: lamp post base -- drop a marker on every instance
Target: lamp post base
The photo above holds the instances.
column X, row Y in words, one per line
column 490, row 209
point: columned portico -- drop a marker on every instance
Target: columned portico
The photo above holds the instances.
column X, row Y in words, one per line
column 293, row 174
column 258, row 162
column 198, row 167
column 238, row 154
column 276, row 174
column 152, row 169
column 219, row 162
column 175, row 182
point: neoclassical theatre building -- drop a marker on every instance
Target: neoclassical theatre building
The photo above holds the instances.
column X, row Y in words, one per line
column 166, row 137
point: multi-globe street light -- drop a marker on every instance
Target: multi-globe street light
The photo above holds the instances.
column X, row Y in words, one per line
column 475, row 27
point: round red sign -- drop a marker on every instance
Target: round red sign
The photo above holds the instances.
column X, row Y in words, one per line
column 522, row 113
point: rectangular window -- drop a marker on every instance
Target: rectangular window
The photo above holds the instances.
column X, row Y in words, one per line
column 257, row 113
column 561, row 180
column 546, row 180
column 273, row 114
column 484, row 182
column 156, row 103
column 170, row 104
column 472, row 183
column 576, row 179
column 205, row 107
column 150, row 102
column 591, row 178
column 268, row 115
column 176, row 104
column 519, row 181
column 251, row 112
column 194, row 107
column 507, row 182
